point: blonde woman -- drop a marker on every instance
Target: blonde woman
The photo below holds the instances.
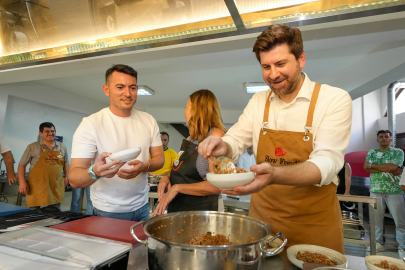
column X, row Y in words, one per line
column 187, row 187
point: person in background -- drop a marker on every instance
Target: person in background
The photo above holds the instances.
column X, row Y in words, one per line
column 49, row 161
column 118, row 189
column 345, row 175
column 170, row 156
column 8, row 159
column 247, row 159
column 299, row 130
column 384, row 164
column 187, row 188
column 76, row 198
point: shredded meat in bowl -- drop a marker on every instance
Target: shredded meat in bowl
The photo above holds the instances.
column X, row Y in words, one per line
column 385, row 265
column 317, row 258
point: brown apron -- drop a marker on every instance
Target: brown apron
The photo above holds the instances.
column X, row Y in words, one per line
column 305, row 214
column 45, row 180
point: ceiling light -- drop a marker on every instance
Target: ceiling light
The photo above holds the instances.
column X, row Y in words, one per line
column 143, row 90
column 254, row 87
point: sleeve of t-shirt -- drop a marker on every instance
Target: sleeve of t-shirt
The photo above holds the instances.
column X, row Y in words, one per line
column 26, row 157
column 84, row 142
column 3, row 146
column 368, row 157
column 155, row 138
column 399, row 158
column 65, row 154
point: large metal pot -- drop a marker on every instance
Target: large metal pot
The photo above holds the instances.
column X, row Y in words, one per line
column 169, row 233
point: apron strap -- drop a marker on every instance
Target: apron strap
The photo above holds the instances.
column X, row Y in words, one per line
column 311, row 109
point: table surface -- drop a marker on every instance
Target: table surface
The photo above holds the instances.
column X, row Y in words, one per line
column 8, row 209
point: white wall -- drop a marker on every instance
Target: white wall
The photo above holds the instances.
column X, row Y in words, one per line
column 366, row 112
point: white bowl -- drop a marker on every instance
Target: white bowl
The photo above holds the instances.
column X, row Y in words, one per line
column 330, row 253
column 372, row 259
column 229, row 181
column 126, row 155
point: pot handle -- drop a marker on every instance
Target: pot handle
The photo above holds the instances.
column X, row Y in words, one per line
column 134, row 234
column 277, row 250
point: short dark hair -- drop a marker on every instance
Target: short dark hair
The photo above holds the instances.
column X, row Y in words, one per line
column 164, row 133
column 122, row 69
column 384, row 131
column 279, row 34
column 45, row 125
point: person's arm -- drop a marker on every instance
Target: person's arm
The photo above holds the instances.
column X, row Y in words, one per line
column 66, row 171
column 348, row 176
column 155, row 163
column 9, row 162
column 23, row 188
column 388, row 167
column 202, row 188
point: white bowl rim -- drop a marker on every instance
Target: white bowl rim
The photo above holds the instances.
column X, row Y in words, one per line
column 126, row 152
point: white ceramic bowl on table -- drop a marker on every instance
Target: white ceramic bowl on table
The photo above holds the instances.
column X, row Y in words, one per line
column 330, row 253
column 376, row 259
column 126, row 155
column 229, row 181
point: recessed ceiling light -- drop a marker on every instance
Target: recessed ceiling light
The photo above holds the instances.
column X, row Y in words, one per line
column 254, row 87
column 143, row 90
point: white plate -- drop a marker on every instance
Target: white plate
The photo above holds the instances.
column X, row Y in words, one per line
column 126, row 155
column 330, row 253
column 372, row 259
column 229, row 181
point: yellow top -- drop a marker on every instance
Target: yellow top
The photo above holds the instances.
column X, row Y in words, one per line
column 170, row 156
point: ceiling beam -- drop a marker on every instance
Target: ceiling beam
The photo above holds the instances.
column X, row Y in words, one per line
column 233, row 9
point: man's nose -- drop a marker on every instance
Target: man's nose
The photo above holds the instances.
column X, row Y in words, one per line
column 127, row 92
column 274, row 73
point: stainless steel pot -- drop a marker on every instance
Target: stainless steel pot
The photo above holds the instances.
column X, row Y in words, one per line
column 169, row 233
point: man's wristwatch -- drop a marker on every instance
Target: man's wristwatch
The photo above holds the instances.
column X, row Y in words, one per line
column 369, row 164
column 93, row 174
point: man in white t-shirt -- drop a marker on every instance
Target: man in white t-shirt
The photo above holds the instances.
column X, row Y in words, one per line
column 118, row 189
column 8, row 159
column 247, row 159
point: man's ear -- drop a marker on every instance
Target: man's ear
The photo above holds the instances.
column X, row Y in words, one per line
column 302, row 59
column 106, row 90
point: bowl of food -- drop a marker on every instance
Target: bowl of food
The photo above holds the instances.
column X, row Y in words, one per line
column 298, row 254
column 376, row 262
column 126, row 155
column 229, row 181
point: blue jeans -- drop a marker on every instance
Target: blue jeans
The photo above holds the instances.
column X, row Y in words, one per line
column 75, row 205
column 142, row 214
column 396, row 205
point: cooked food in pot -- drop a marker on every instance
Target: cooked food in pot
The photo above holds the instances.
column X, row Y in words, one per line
column 385, row 265
column 209, row 239
column 317, row 258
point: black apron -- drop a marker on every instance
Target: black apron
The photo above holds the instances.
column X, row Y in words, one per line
column 184, row 171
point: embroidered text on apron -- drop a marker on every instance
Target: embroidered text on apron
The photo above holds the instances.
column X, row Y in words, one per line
column 184, row 171
column 45, row 179
column 305, row 214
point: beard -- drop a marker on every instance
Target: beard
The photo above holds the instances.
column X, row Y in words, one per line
column 290, row 84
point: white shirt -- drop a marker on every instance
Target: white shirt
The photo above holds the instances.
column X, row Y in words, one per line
column 106, row 132
column 245, row 161
column 4, row 146
column 331, row 125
